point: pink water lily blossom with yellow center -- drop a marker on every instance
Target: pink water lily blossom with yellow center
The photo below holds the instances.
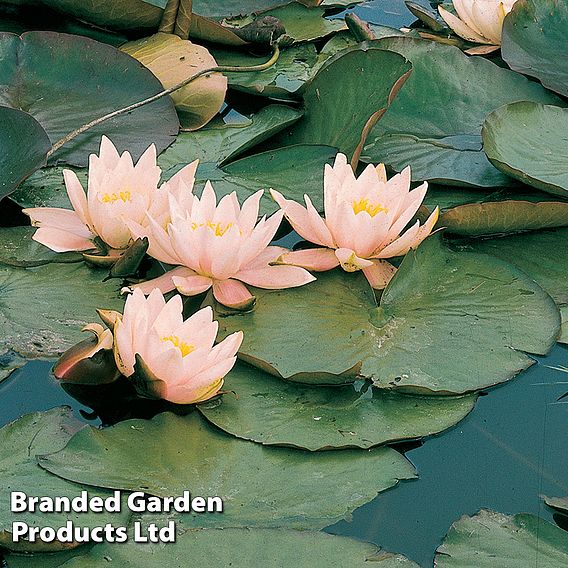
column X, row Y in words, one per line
column 364, row 222
column 216, row 245
column 118, row 191
column 479, row 21
column 179, row 360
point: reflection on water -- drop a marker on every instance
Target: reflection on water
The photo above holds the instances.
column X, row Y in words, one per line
column 508, row 451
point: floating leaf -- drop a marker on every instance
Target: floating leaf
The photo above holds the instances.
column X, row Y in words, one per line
column 20, row 444
column 9, row 362
column 44, row 308
column 243, row 548
column 276, row 412
column 173, row 60
column 65, row 81
column 435, row 122
column 192, row 455
column 560, row 503
column 493, row 217
column 23, row 148
column 542, row 255
column 439, row 305
column 18, row 249
column 220, row 143
column 281, row 81
column 490, row 539
column 347, row 96
column 527, row 141
column 301, row 23
column 535, row 35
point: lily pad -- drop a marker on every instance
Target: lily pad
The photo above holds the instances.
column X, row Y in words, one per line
column 43, row 309
column 65, row 81
column 347, row 96
column 24, row 145
column 219, row 143
column 560, row 503
column 435, row 122
column 9, row 362
column 439, row 306
column 510, row 216
column 301, row 23
column 21, row 442
column 542, row 255
column 276, row 412
column 259, row 485
column 527, row 141
column 243, row 548
column 293, row 171
column 535, row 35
column 564, row 329
column 18, row 249
column 491, row 539
column 281, row 81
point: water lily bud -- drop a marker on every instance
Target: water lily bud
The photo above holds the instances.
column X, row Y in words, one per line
column 90, row 362
column 172, row 60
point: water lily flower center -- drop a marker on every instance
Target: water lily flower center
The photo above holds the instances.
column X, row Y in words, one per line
column 218, row 229
column 124, row 196
column 185, row 348
column 372, row 209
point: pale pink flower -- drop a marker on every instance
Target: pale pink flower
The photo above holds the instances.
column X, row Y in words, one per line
column 479, row 21
column 118, row 191
column 364, row 219
column 169, row 357
column 216, row 245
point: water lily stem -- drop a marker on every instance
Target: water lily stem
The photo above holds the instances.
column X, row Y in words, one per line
column 129, row 108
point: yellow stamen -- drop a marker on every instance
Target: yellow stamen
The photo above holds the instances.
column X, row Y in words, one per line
column 218, row 229
column 123, row 196
column 370, row 208
column 184, row 347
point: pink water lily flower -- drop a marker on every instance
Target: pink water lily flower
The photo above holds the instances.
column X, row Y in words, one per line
column 216, row 245
column 117, row 191
column 479, row 21
column 364, row 222
column 169, row 357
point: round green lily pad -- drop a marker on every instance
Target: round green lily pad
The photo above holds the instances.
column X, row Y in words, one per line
column 65, row 81
column 491, row 540
column 527, row 141
column 447, row 323
column 271, row 411
column 23, row 148
column 21, row 442
column 266, row 487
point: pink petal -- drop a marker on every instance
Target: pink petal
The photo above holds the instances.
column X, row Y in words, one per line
column 164, row 283
column 401, row 245
column 350, row 262
column 379, row 274
column 61, row 241
column 268, row 255
column 185, row 176
column 276, row 277
column 460, row 27
column 298, row 217
column 249, row 212
column 192, row 284
column 233, row 294
column 56, row 218
column 77, row 195
column 317, row 259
